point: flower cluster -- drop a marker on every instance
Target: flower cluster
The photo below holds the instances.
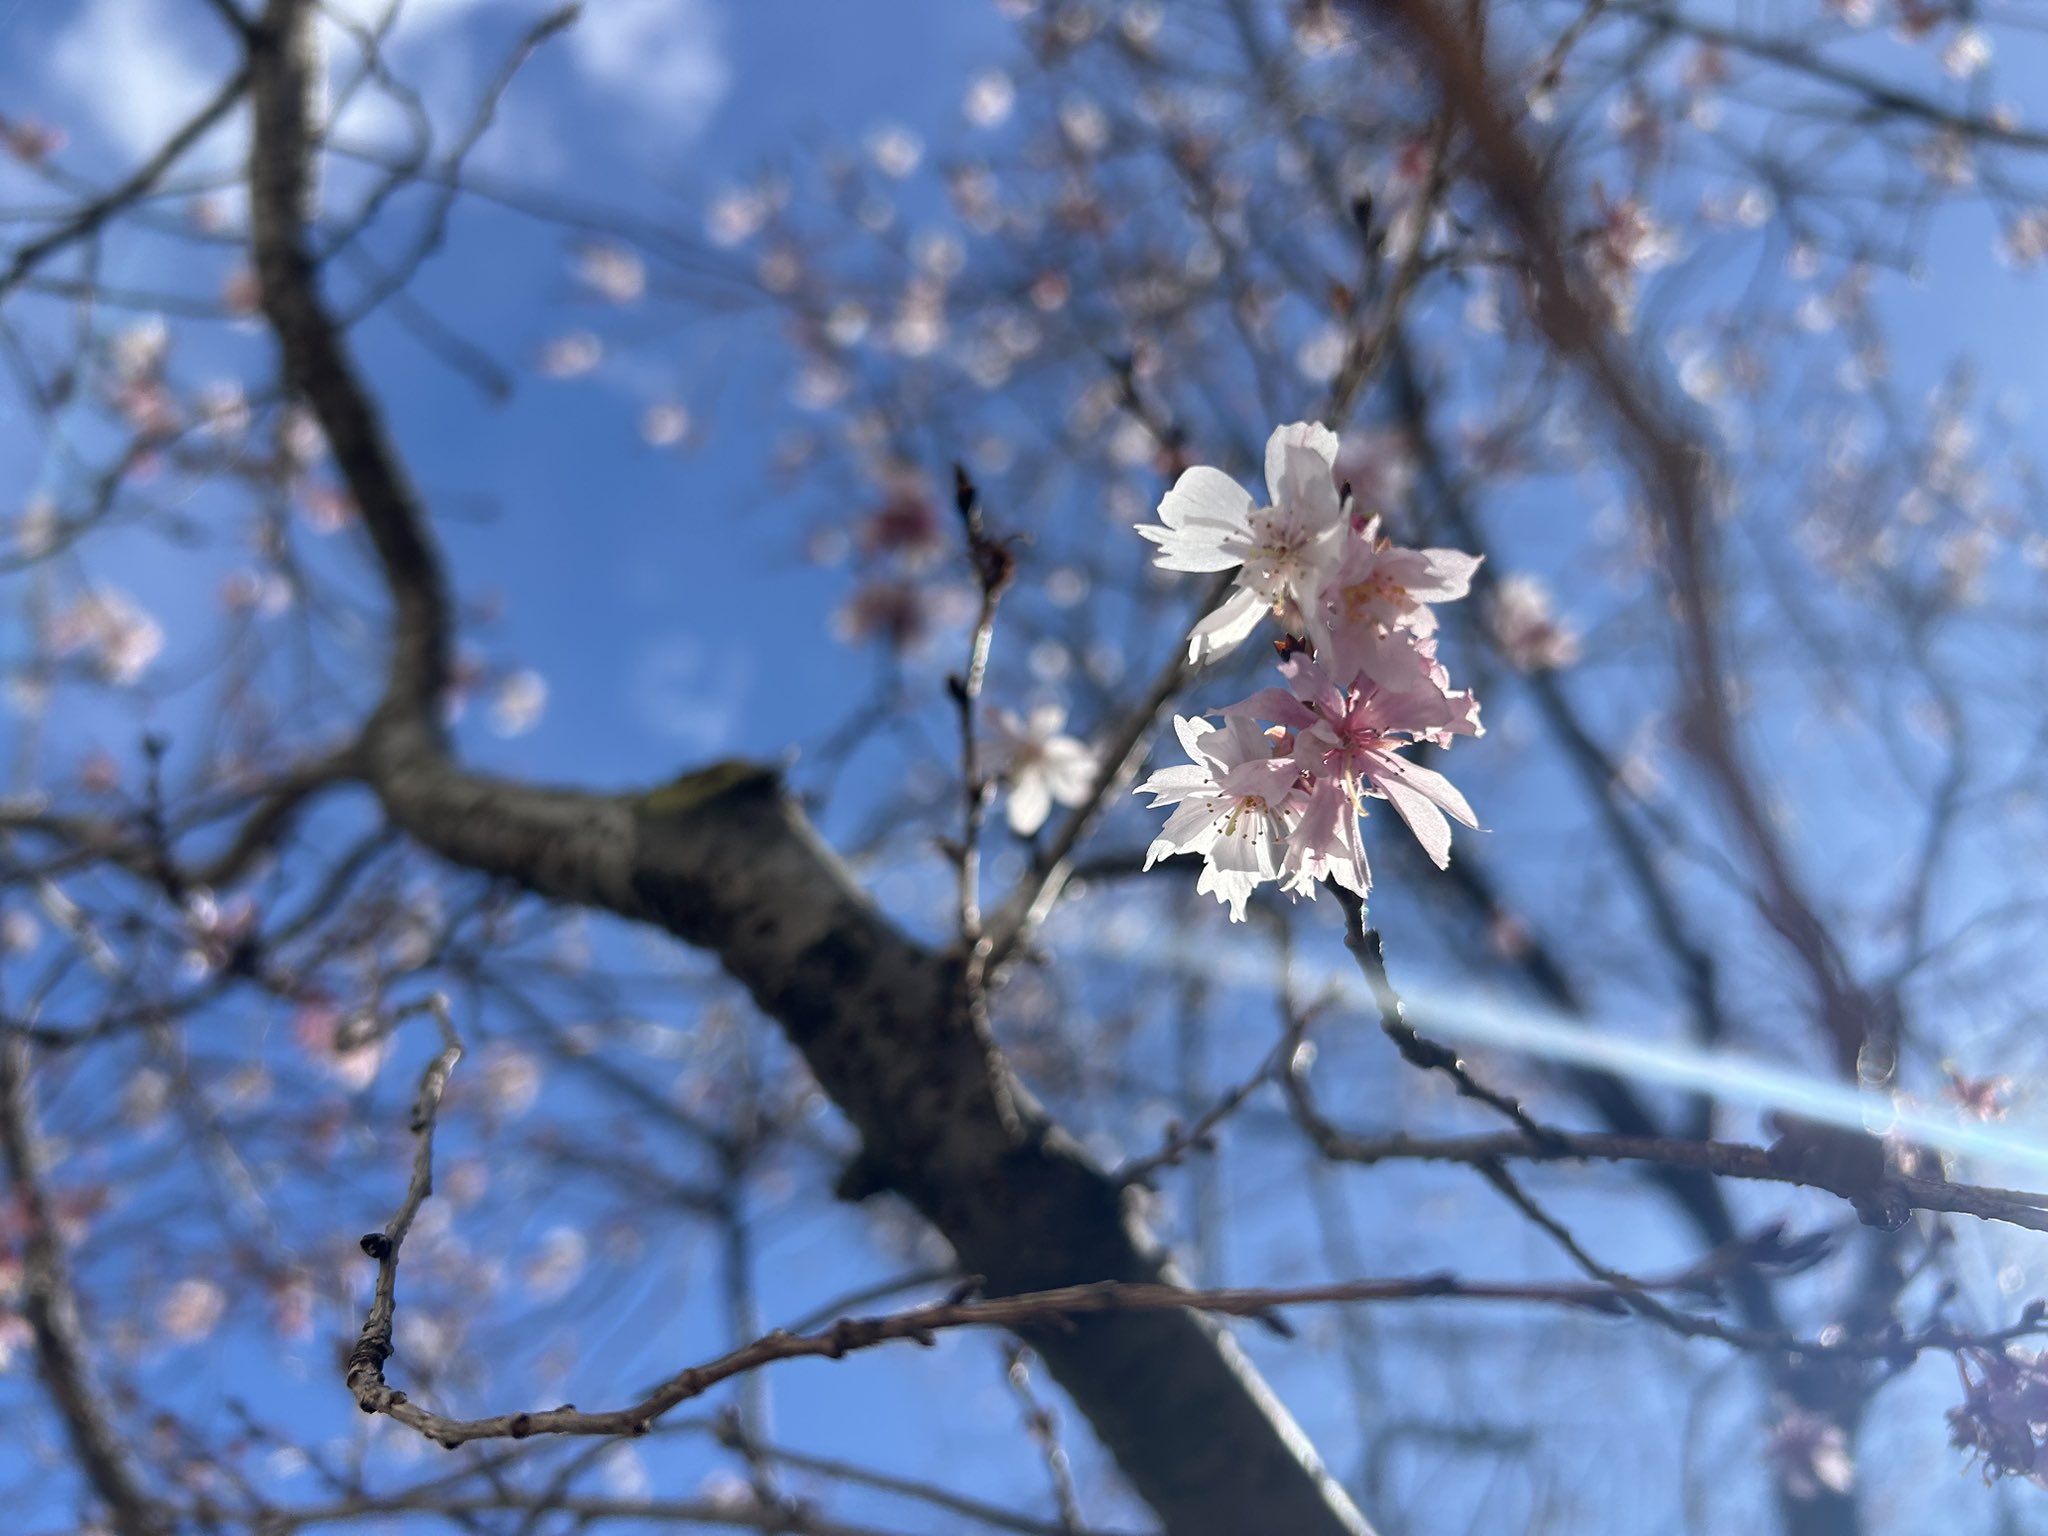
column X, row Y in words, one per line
column 1275, row 792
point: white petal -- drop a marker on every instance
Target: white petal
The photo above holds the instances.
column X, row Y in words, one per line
column 1206, row 495
column 1227, row 628
column 1030, row 803
column 1300, row 434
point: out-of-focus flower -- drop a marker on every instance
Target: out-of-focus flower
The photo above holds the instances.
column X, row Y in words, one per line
column 120, row 636
column 516, row 708
column 191, row 1309
column 1040, row 763
column 571, row 356
column 1528, row 631
column 990, row 98
column 611, row 272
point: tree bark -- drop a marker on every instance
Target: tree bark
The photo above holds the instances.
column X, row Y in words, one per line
column 724, row 860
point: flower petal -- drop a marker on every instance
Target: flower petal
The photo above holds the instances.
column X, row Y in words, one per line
column 1226, row 628
column 1204, row 509
column 1312, row 435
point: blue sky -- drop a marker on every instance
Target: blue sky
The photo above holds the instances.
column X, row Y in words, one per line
column 636, row 579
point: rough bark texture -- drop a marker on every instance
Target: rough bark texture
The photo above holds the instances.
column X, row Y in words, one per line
column 724, row 860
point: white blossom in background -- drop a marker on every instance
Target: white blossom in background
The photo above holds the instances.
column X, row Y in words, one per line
column 139, row 350
column 191, row 1310
column 990, row 98
column 571, row 356
column 611, row 272
column 1039, row 763
column 517, row 706
column 895, row 150
column 121, row 638
column 1276, row 793
column 1530, row 634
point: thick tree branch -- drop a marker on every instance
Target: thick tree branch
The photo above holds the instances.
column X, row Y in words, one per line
column 724, row 860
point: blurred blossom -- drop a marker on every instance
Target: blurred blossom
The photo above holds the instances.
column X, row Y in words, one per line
column 1040, row 763
column 1065, row 586
column 121, row 638
column 317, row 1028
column 465, row 1181
column 17, row 1339
column 327, row 509
column 726, row 1491
column 779, row 269
column 920, row 324
column 425, row 1337
column 1977, row 1098
column 1379, row 467
column 291, row 1305
column 303, row 442
column 975, row 197
column 736, row 216
column 1530, row 635
column 98, row 773
column 510, row 1079
column 224, row 409
column 1811, row 1454
column 895, row 150
column 240, row 294
column 664, row 424
column 1085, row 125
column 611, row 272
column 894, row 612
column 139, row 350
column 2025, row 240
column 906, row 525
column 19, row 932
column 1945, row 155
column 29, row 141
column 1320, row 356
column 939, row 253
column 571, row 356
column 262, row 592
column 624, row 1472
column 1049, row 660
column 144, row 1097
column 191, row 1310
column 35, row 532
column 820, row 386
column 517, row 706
column 1967, row 53
column 1049, row 291
column 990, row 97
column 846, row 323
column 556, row 1263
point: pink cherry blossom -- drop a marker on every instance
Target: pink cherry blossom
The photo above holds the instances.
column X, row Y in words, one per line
column 1232, row 808
column 1347, row 739
column 1278, row 791
column 1208, row 522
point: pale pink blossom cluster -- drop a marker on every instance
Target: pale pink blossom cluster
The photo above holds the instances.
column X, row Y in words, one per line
column 1275, row 792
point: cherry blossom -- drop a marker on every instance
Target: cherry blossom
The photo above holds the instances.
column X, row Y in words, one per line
column 1530, row 634
column 1041, row 765
column 1232, row 803
column 1278, row 791
column 1208, row 522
